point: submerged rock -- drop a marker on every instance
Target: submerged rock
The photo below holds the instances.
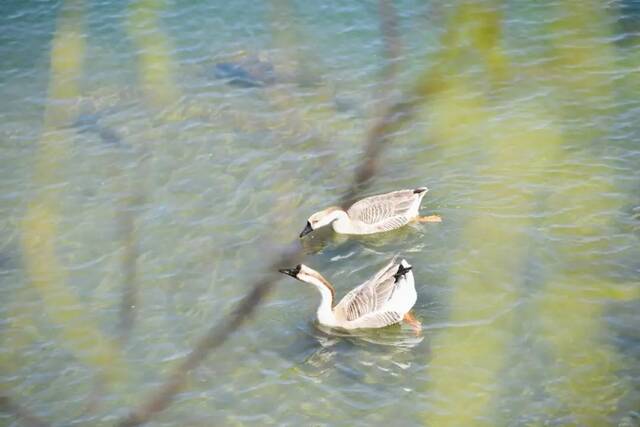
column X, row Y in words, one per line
column 89, row 123
column 247, row 72
column 628, row 20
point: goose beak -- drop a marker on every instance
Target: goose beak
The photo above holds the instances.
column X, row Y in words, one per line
column 307, row 229
column 293, row 272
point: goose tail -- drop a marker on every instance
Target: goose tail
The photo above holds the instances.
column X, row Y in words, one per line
column 420, row 190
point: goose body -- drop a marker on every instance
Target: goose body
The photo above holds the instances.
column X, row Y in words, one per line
column 383, row 300
column 374, row 214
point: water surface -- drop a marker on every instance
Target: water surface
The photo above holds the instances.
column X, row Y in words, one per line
column 126, row 164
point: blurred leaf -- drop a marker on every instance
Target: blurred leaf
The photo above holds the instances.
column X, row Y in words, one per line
column 39, row 233
column 156, row 69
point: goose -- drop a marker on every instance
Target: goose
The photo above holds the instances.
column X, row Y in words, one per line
column 374, row 214
column 383, row 300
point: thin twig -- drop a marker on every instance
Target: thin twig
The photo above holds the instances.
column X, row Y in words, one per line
column 134, row 197
column 129, row 264
column 24, row 415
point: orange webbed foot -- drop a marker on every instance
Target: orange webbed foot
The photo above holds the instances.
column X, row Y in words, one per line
column 413, row 322
column 430, row 218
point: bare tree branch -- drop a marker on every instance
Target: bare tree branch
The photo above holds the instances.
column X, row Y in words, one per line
column 217, row 335
column 126, row 221
column 392, row 44
column 393, row 117
column 129, row 261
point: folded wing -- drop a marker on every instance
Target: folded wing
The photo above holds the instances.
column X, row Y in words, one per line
column 380, row 301
column 387, row 211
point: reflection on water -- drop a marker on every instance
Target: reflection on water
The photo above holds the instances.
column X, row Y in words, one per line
column 393, row 336
column 139, row 196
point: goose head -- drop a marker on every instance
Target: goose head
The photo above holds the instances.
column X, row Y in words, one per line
column 293, row 272
column 309, row 275
column 327, row 292
column 321, row 219
column 300, row 272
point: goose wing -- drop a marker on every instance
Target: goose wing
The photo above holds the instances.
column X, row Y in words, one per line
column 390, row 210
column 370, row 302
column 377, row 320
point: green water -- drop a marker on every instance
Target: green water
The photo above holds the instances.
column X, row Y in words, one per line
column 125, row 164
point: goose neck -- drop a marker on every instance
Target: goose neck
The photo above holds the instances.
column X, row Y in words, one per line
column 325, row 312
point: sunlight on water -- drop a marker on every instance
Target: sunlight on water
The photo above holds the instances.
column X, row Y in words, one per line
column 156, row 155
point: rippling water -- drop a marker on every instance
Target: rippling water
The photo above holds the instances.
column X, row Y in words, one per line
column 126, row 162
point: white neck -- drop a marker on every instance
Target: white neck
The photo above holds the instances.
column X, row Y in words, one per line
column 325, row 309
column 341, row 222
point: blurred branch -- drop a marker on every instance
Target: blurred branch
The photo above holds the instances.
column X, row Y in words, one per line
column 216, row 336
column 129, row 238
column 156, row 70
column 9, row 406
column 77, row 329
column 129, row 258
column 395, row 116
column 392, row 44
column 156, row 74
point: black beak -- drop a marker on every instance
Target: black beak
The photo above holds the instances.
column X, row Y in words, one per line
column 293, row 272
column 307, row 229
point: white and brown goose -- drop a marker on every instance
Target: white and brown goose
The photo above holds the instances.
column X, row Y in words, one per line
column 374, row 214
column 383, row 300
